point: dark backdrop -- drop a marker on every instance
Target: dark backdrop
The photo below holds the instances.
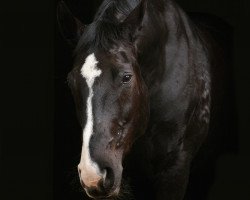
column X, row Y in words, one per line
column 40, row 137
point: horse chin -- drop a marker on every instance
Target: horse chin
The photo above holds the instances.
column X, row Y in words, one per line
column 112, row 195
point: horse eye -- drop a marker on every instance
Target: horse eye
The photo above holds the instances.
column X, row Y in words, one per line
column 126, row 78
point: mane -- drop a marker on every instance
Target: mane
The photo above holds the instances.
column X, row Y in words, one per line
column 115, row 10
column 106, row 28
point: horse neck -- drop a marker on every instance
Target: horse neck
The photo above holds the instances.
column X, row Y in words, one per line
column 166, row 39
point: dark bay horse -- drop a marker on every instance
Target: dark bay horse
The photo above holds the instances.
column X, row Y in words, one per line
column 151, row 88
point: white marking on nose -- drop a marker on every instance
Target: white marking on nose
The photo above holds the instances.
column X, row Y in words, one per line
column 90, row 172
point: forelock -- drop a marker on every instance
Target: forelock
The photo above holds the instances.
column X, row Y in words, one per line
column 107, row 28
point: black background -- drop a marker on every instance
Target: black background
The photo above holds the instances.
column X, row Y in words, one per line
column 40, row 137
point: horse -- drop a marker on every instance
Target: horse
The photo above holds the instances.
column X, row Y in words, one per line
column 151, row 87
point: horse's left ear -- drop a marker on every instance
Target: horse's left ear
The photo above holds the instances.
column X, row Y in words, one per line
column 70, row 27
column 134, row 19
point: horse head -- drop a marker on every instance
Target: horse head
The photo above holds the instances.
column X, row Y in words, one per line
column 109, row 91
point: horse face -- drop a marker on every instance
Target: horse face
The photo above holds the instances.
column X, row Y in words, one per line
column 112, row 107
column 110, row 95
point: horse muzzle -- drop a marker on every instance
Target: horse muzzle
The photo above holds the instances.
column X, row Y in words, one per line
column 101, row 186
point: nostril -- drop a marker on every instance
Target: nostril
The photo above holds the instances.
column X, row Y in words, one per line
column 79, row 171
column 108, row 180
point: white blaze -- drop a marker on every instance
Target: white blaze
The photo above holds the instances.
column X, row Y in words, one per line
column 90, row 173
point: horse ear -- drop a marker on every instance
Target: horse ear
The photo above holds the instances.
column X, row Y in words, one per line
column 134, row 19
column 70, row 27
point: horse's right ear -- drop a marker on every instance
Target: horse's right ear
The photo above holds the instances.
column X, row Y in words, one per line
column 70, row 27
column 134, row 19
